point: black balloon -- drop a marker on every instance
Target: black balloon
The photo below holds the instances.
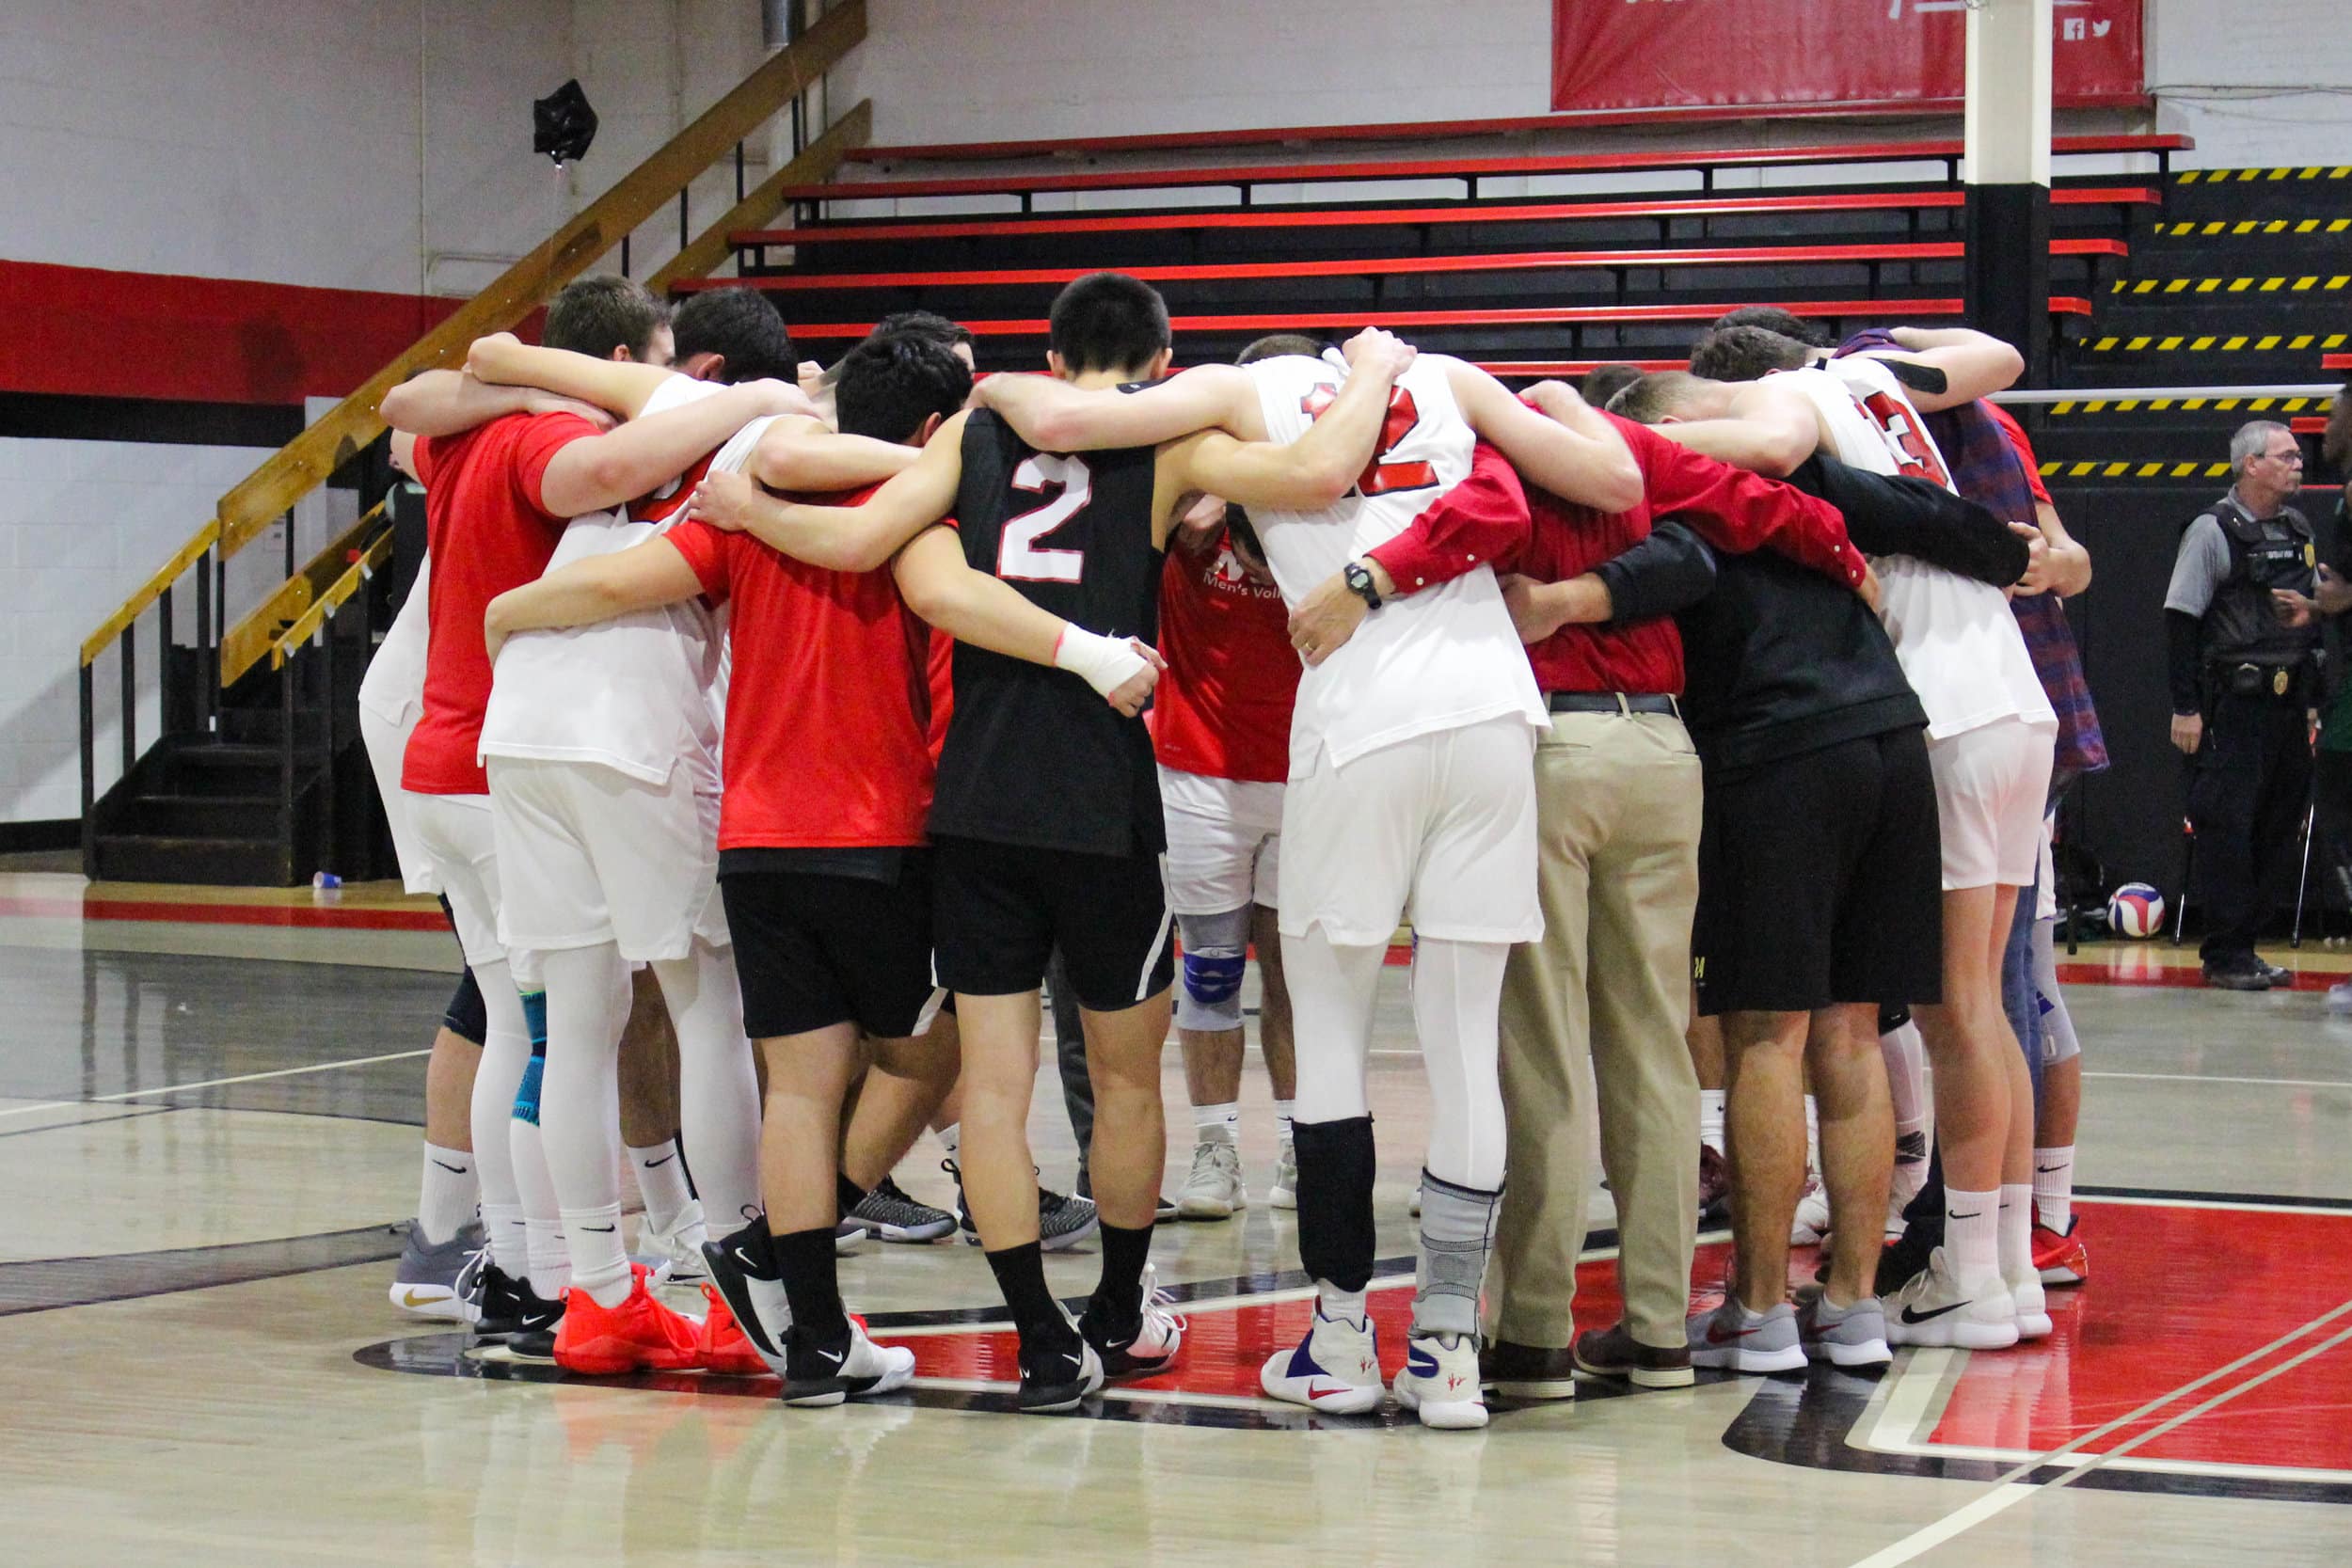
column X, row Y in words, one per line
column 563, row 124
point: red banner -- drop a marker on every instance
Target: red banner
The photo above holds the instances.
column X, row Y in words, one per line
column 1792, row 55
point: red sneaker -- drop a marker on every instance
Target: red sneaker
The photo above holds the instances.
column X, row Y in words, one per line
column 641, row 1333
column 2059, row 1256
column 721, row 1346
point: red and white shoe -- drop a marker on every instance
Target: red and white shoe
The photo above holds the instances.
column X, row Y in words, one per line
column 721, row 1346
column 639, row 1335
column 2058, row 1256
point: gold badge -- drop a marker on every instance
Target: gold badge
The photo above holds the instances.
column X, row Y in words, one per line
column 2279, row 683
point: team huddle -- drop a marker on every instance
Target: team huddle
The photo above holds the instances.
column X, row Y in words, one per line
column 843, row 708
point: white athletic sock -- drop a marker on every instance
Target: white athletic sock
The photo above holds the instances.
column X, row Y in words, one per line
column 1972, row 1235
column 510, row 1246
column 447, row 1195
column 1217, row 1124
column 1712, row 1118
column 1812, row 1137
column 1340, row 1305
column 599, row 1261
column 661, row 1177
column 550, row 1259
column 1282, row 1119
column 2054, row 1186
column 2016, row 1240
column 948, row 1137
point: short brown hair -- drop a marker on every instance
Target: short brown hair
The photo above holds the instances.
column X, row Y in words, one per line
column 1275, row 346
column 596, row 315
column 1653, row 397
column 1745, row 353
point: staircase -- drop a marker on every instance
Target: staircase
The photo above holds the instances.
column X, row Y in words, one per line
column 257, row 775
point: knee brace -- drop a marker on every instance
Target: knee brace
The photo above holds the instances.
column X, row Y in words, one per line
column 1216, row 951
column 467, row 1017
column 534, row 1071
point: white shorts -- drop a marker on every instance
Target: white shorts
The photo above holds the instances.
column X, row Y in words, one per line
column 2045, row 871
column 388, row 746
column 455, row 833
column 1439, row 828
column 1224, row 842
column 1991, row 785
column 590, row 855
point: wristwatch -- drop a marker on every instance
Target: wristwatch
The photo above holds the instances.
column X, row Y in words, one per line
column 1358, row 579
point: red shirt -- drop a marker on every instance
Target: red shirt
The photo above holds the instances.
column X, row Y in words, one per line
column 2016, row 435
column 1730, row 508
column 490, row 531
column 1222, row 709
column 828, row 703
column 943, row 682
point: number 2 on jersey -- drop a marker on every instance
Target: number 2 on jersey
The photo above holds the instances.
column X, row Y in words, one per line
column 1018, row 555
column 1378, row 475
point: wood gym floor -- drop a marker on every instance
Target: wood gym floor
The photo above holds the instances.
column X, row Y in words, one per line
column 208, row 1131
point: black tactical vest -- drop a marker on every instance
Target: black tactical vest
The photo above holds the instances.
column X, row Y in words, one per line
column 2241, row 626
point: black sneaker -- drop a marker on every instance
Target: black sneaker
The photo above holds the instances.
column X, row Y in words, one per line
column 826, row 1372
column 2238, row 976
column 2280, row 979
column 746, row 1279
column 1054, row 1378
column 889, row 1213
column 1143, row 1346
column 1167, row 1212
column 509, row 1308
column 1902, row 1259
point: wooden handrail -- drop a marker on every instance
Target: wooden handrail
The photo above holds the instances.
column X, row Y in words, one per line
column 247, row 642
column 149, row 592
column 337, row 593
column 822, row 156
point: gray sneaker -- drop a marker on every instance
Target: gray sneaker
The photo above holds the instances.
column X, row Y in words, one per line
column 1736, row 1339
column 1214, row 1191
column 1063, row 1219
column 1851, row 1336
column 1284, row 1193
column 889, row 1213
column 426, row 1283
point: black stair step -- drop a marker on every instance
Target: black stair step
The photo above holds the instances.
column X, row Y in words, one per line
column 2209, row 196
column 202, row 816
column 165, row 858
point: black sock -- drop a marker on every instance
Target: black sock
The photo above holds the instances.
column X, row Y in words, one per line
column 847, row 1194
column 1021, row 1274
column 1119, row 1298
column 1336, row 1169
column 805, row 1259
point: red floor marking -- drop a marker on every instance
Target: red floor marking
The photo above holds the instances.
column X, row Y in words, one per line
column 308, row 916
column 2185, row 1291
column 2146, row 966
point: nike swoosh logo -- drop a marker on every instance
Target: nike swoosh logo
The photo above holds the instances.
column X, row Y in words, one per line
column 1325, row 1393
column 657, row 1165
column 1979, row 1214
column 833, row 1356
column 1715, row 1335
column 1912, row 1317
column 457, row 1170
column 599, row 1230
column 2046, row 1170
column 410, row 1298
column 742, row 1259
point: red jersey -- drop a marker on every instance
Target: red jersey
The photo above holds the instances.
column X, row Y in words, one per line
column 828, row 703
column 490, row 531
column 943, row 682
column 1222, row 709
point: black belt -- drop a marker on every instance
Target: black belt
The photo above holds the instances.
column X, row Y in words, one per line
column 1612, row 702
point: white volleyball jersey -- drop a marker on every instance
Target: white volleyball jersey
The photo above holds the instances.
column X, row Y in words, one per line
column 1956, row 638
column 632, row 693
column 393, row 688
column 1438, row 659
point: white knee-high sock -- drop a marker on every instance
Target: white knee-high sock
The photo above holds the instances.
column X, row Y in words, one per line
column 1906, row 1057
column 1332, row 993
column 718, row 1089
column 580, row 1111
column 505, row 1052
column 1458, row 998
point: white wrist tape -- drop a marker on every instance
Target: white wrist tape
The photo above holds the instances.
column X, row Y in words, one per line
column 1104, row 663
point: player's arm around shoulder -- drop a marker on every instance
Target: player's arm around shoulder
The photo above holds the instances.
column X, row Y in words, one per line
column 1052, row 415
column 587, row 591
column 1568, row 449
column 619, row 386
column 806, row 455
column 1975, row 364
column 843, row 538
column 1768, row 429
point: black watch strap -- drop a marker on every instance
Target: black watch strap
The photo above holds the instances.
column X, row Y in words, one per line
column 1358, row 579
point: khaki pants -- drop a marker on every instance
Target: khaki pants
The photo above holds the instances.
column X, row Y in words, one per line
column 1606, row 994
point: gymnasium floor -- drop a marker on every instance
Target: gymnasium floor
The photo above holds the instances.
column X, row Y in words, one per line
column 208, row 1108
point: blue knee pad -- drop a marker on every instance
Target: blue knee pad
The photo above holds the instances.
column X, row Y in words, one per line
column 1216, row 952
column 535, row 1024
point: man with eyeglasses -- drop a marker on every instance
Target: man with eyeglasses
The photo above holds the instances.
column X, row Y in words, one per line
column 2242, row 666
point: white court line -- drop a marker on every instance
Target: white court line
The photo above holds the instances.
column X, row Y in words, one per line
column 2008, row 1490
column 212, row 1082
column 2209, row 1078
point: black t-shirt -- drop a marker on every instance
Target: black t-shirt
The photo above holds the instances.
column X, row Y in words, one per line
column 1033, row 756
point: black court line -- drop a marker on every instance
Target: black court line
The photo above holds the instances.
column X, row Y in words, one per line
column 90, row 1122
column 50, row 1283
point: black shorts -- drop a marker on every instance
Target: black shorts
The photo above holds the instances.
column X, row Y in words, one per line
column 813, row 950
column 1820, row 882
column 1003, row 907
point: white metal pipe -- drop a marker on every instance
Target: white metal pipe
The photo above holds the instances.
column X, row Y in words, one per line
column 2113, row 394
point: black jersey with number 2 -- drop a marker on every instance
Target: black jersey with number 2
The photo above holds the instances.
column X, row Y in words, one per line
column 1033, row 756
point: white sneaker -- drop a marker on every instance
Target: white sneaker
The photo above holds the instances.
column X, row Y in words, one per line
column 1439, row 1382
column 814, row 1375
column 1932, row 1310
column 675, row 1257
column 1284, row 1193
column 1335, row 1368
column 1153, row 1347
column 2033, row 1306
column 1811, row 1226
column 1214, row 1191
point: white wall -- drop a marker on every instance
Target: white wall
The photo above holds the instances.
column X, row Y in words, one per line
column 2257, row 84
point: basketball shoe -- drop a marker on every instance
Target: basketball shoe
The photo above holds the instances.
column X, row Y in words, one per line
column 1736, row 1339
column 641, row 1333
column 1933, row 1309
column 1147, row 1349
column 1214, row 1191
column 676, row 1256
column 890, row 1214
column 1811, row 1226
column 819, row 1374
column 1063, row 1219
column 1054, row 1378
column 745, row 1274
column 430, row 1278
column 1336, row 1367
column 2057, row 1256
column 1439, row 1382
column 1849, row 1336
column 720, row 1343
column 507, row 1307
column 2033, row 1308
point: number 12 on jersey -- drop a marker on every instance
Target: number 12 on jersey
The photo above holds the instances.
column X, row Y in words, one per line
column 1380, row 475
column 1019, row 555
